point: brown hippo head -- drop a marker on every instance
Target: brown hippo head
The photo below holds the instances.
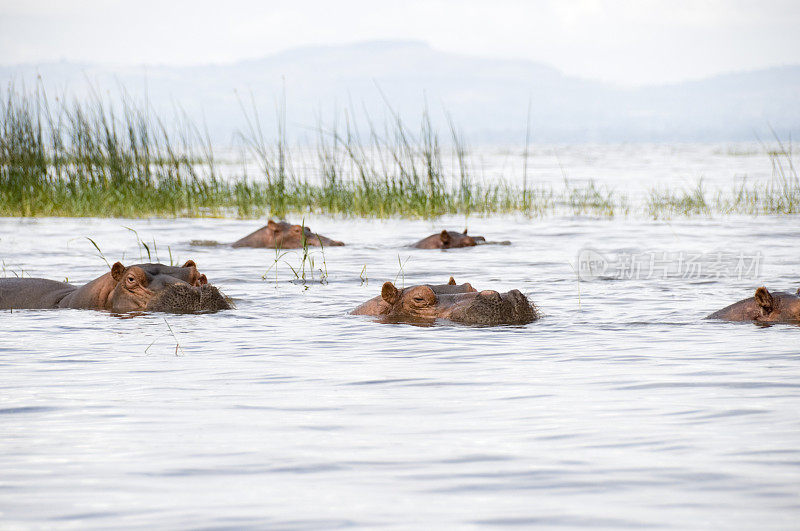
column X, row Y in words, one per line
column 282, row 235
column 448, row 239
column 764, row 307
column 157, row 287
column 377, row 306
column 489, row 308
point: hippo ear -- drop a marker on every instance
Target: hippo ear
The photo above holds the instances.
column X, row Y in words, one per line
column 764, row 300
column 271, row 225
column 452, row 282
column 116, row 271
column 202, row 280
column 465, row 231
column 190, row 263
column 445, row 236
column 389, row 293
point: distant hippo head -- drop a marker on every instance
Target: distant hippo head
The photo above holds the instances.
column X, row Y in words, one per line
column 143, row 287
column 763, row 307
column 448, row 239
column 422, row 303
column 282, row 235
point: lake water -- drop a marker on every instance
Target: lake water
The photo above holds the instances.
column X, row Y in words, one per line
column 622, row 407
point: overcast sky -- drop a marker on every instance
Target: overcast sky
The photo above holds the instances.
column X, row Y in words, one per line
column 625, row 42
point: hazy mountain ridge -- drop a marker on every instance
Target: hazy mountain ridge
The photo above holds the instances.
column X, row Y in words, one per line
column 487, row 98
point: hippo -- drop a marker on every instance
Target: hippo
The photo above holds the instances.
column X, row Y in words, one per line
column 459, row 303
column 448, row 239
column 377, row 306
column 282, row 235
column 763, row 307
column 140, row 287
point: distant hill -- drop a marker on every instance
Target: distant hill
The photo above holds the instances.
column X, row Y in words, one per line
column 487, row 98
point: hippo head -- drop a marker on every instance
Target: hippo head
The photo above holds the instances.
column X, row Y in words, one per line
column 452, row 239
column 763, row 307
column 157, row 287
column 771, row 307
column 288, row 236
column 377, row 306
column 448, row 239
column 422, row 303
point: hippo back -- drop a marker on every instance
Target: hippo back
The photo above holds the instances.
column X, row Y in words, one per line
column 32, row 293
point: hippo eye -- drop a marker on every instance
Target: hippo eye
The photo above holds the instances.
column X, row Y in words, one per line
column 419, row 299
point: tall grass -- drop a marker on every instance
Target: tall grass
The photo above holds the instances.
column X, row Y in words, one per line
column 94, row 158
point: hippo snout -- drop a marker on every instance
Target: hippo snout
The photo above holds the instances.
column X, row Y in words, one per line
column 490, row 295
column 181, row 297
column 491, row 308
column 517, row 297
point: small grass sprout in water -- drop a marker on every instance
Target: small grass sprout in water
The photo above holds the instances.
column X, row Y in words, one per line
column 307, row 261
column 304, row 271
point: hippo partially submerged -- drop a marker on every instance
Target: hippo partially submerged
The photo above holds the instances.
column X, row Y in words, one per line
column 763, row 307
column 141, row 287
column 377, row 306
column 448, row 239
column 282, row 235
column 458, row 303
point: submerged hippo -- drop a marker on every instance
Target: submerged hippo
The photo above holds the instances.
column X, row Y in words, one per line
column 448, row 239
column 377, row 306
column 282, row 235
column 458, row 303
column 763, row 307
column 141, row 287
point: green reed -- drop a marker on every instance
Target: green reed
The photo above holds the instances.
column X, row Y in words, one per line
column 94, row 158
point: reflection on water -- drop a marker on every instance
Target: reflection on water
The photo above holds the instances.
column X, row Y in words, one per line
column 622, row 407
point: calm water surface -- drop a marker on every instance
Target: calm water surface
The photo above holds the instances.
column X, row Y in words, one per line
column 621, row 408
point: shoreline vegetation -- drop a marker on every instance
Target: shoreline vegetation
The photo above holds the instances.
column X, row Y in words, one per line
column 97, row 159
